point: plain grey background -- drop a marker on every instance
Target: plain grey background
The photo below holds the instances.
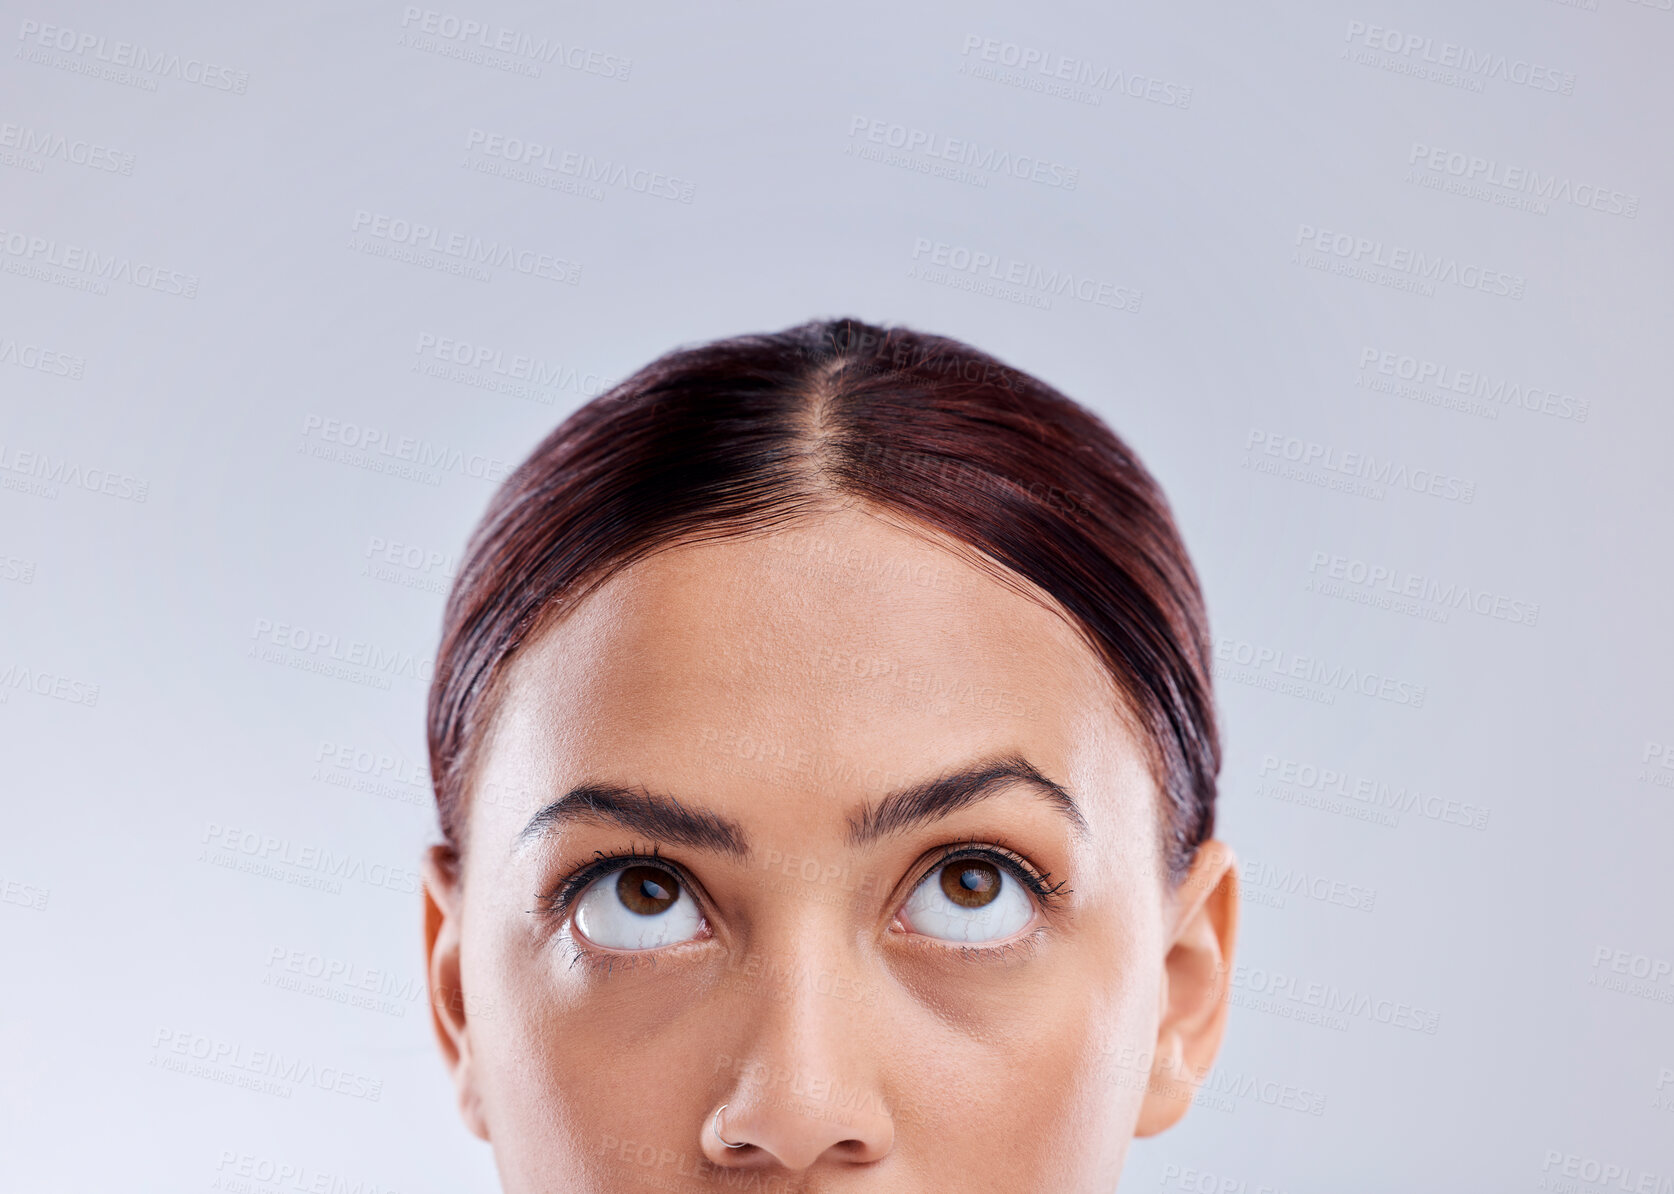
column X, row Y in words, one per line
column 1380, row 292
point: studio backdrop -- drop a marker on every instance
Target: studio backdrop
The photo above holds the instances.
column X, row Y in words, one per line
column 1379, row 292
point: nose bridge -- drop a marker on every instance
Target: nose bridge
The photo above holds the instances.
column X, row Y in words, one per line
column 812, row 994
column 807, row 1075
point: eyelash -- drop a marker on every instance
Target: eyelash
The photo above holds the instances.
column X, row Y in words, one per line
column 558, row 902
column 1048, row 894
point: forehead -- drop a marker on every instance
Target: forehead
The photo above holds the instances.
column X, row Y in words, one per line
column 840, row 656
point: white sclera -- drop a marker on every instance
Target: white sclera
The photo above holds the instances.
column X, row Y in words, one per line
column 929, row 910
column 602, row 918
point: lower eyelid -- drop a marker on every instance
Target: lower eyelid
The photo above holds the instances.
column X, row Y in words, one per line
column 579, row 949
column 607, row 961
column 1023, row 944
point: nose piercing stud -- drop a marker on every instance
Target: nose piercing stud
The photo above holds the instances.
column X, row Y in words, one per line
column 715, row 1127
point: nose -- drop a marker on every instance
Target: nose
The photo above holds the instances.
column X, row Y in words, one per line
column 804, row 1086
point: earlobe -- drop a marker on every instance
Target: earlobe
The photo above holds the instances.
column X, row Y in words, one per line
column 1197, row 974
column 440, row 870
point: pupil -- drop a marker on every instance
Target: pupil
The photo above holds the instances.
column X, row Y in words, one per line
column 971, row 884
column 647, row 890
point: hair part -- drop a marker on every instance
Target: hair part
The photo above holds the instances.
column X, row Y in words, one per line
column 745, row 435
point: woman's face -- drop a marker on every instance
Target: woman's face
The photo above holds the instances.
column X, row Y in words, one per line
column 836, row 830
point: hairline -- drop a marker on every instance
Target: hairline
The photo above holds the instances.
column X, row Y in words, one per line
column 780, row 516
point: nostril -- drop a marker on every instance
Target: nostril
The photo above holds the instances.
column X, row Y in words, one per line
column 763, row 1130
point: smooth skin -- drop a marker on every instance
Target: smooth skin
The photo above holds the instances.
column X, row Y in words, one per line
column 780, row 686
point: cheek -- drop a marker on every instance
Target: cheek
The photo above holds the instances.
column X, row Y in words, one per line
column 581, row 1073
column 1026, row 1078
column 1101, row 1035
column 529, row 1066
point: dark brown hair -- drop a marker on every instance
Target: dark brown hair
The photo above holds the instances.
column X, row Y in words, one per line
column 744, row 434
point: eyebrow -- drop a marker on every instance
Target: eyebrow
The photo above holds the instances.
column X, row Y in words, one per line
column 944, row 795
column 665, row 818
column 657, row 816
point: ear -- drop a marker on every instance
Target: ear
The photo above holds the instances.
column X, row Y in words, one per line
column 442, row 909
column 1197, row 974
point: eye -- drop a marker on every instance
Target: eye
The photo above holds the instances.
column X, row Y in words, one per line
column 968, row 899
column 637, row 907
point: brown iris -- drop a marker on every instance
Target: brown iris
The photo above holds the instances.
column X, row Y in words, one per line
column 971, row 883
column 647, row 890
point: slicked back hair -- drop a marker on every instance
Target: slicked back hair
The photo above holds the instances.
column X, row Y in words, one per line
column 744, row 434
